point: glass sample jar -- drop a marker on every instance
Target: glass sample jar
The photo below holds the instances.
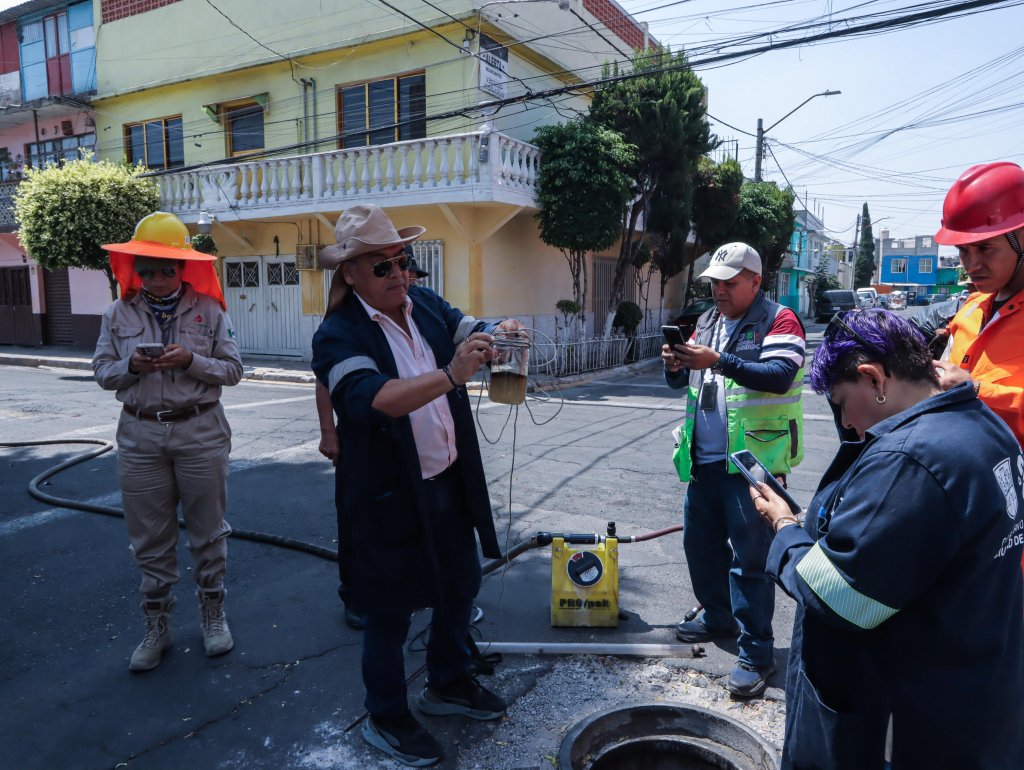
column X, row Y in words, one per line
column 509, row 368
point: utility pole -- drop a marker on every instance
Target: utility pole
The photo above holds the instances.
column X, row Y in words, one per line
column 759, row 152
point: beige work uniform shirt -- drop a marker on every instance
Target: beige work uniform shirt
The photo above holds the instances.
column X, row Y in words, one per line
column 199, row 324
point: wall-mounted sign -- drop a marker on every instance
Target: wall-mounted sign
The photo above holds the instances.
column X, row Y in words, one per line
column 493, row 67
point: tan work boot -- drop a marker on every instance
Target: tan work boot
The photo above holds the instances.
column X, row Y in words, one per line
column 216, row 634
column 157, row 616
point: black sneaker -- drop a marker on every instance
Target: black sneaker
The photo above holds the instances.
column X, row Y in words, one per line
column 749, row 682
column 464, row 697
column 697, row 631
column 403, row 738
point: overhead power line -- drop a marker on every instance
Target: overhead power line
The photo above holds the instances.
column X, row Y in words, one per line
column 494, row 105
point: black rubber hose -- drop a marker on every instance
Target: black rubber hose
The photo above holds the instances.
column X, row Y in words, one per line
column 106, row 446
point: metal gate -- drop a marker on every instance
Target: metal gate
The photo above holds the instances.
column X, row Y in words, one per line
column 17, row 327
column 265, row 302
column 57, row 289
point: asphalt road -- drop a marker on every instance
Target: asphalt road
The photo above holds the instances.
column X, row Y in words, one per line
column 283, row 696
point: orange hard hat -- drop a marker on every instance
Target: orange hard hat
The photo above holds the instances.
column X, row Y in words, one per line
column 986, row 200
column 163, row 236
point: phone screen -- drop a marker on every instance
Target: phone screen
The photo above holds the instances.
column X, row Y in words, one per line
column 755, row 473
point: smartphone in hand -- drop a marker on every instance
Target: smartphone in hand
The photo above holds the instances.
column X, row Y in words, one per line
column 755, row 473
column 150, row 349
column 673, row 335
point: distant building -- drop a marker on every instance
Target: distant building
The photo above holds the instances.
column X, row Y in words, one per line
column 909, row 264
column 806, row 245
column 47, row 78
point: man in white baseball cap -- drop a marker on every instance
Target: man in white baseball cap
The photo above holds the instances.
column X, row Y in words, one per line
column 742, row 371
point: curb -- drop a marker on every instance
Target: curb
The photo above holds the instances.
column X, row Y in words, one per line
column 267, row 374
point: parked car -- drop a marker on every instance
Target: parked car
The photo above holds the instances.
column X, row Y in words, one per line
column 867, row 297
column 897, row 301
column 834, row 301
column 687, row 318
column 883, row 300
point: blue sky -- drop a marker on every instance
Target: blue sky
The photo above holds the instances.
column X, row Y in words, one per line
column 860, row 146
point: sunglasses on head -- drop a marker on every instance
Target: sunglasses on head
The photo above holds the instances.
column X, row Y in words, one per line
column 383, row 269
column 837, row 324
column 145, row 273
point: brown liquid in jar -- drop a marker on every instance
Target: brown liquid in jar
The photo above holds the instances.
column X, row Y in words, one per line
column 507, row 388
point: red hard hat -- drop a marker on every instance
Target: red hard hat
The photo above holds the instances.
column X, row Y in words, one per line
column 986, row 200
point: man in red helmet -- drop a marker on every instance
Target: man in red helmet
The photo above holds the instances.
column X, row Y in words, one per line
column 983, row 216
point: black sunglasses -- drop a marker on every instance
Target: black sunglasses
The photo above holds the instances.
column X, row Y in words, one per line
column 383, row 269
column 837, row 324
column 145, row 273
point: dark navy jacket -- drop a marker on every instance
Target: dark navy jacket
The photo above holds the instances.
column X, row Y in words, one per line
column 380, row 485
column 910, row 597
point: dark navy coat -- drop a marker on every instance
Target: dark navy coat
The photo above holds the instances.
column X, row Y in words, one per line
column 910, row 597
column 380, row 488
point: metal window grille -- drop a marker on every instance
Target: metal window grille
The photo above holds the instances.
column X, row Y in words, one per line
column 430, row 257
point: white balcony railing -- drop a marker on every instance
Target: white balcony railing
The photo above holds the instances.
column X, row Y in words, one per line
column 456, row 167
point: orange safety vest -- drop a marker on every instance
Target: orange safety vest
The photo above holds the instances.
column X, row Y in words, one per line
column 994, row 354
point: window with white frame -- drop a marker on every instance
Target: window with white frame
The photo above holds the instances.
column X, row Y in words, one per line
column 926, row 265
column 898, row 265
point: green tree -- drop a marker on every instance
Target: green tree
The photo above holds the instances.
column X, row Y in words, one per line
column 716, row 202
column 582, row 187
column 65, row 212
column 864, row 267
column 663, row 113
column 765, row 221
column 821, row 280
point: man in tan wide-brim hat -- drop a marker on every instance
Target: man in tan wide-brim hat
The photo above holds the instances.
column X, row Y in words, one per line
column 411, row 494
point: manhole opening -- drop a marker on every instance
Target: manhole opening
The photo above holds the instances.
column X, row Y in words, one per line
column 660, row 754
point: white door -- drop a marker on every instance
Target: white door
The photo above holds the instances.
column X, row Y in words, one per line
column 243, row 292
column 265, row 302
column 282, row 306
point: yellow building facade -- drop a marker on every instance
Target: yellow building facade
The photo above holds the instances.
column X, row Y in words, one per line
column 264, row 120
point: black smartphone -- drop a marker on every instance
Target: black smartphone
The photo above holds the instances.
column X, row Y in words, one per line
column 673, row 335
column 755, row 473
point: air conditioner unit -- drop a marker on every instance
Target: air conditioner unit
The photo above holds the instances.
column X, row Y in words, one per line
column 305, row 256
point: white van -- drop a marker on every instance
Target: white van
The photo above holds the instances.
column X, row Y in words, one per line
column 867, row 297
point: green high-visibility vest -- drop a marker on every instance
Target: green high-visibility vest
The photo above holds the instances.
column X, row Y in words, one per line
column 771, row 425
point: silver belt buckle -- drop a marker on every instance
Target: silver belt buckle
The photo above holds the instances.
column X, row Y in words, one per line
column 160, row 416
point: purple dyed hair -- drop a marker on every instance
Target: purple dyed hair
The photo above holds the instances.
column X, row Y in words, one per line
column 895, row 343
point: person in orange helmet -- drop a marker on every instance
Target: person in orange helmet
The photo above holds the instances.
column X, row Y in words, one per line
column 983, row 216
column 167, row 347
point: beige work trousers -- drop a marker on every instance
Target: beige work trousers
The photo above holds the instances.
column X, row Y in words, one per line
column 160, row 465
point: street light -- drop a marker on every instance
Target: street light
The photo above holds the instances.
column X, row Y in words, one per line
column 762, row 131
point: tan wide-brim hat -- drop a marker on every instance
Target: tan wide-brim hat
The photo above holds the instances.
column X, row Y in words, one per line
column 362, row 229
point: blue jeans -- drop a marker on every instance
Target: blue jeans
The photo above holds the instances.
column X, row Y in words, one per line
column 729, row 581
column 458, row 574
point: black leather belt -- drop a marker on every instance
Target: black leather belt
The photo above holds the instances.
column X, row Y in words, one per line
column 172, row 415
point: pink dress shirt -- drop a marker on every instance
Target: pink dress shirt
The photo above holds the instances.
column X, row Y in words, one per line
column 432, row 425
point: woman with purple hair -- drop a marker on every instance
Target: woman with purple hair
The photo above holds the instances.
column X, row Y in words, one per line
column 906, row 571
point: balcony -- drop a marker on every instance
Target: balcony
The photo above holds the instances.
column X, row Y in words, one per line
column 458, row 168
column 7, row 221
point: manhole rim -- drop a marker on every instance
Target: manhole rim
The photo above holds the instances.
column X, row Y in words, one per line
column 659, row 708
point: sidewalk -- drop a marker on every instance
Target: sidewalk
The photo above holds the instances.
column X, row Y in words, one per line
column 280, row 369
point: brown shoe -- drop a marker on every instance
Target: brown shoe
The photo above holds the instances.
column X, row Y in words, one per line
column 216, row 635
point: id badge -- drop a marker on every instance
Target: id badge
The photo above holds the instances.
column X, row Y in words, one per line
column 708, row 396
